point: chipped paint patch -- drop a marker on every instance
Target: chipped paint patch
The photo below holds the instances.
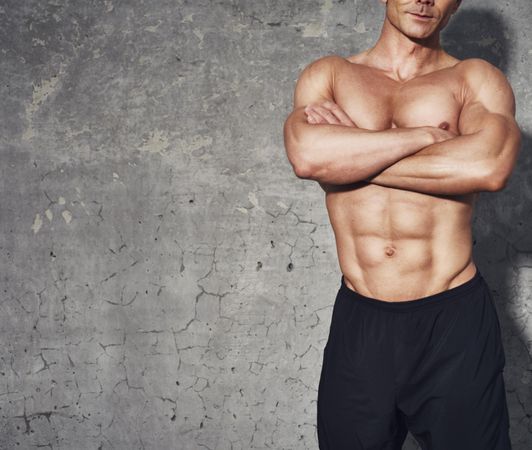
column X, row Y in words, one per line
column 239, row 27
column 108, row 5
column 49, row 215
column 73, row 133
column 326, row 7
column 360, row 27
column 67, row 216
column 37, row 223
column 82, row 203
column 314, row 30
column 153, row 28
column 40, row 94
column 157, row 142
column 193, row 143
column 254, row 201
column 199, row 34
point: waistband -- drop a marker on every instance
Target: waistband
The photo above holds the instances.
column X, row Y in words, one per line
column 409, row 305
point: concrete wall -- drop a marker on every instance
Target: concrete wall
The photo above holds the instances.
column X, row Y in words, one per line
column 166, row 280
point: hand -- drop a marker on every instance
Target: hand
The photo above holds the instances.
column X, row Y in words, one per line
column 327, row 113
column 441, row 132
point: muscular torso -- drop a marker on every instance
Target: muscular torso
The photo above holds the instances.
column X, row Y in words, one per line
column 395, row 244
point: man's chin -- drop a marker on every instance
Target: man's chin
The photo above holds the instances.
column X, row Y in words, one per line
column 418, row 35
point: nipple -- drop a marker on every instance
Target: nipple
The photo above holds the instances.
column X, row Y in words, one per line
column 389, row 250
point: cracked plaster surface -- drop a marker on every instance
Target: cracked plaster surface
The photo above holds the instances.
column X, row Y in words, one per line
column 167, row 282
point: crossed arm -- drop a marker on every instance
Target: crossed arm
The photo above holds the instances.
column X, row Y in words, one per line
column 480, row 158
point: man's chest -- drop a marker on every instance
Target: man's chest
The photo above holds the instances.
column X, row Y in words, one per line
column 376, row 102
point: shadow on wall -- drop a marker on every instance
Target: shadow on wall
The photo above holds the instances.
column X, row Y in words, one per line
column 503, row 253
column 478, row 33
column 503, row 242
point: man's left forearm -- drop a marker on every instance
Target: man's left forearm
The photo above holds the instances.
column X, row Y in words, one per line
column 457, row 166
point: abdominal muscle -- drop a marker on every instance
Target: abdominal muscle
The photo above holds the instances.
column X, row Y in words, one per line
column 397, row 245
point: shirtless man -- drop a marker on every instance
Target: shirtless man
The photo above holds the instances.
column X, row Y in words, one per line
column 402, row 137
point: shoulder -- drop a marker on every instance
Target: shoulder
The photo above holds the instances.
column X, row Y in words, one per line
column 481, row 74
column 480, row 70
column 325, row 65
column 316, row 80
column 487, row 83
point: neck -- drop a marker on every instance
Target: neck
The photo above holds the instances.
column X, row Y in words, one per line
column 403, row 56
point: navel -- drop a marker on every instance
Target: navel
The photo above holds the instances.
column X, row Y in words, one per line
column 389, row 250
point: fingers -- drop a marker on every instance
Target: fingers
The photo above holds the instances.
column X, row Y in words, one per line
column 443, row 135
column 322, row 115
column 339, row 113
column 327, row 112
column 314, row 117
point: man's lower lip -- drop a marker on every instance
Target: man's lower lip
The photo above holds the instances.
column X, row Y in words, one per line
column 421, row 17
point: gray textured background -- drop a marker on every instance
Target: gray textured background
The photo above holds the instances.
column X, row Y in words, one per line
column 167, row 281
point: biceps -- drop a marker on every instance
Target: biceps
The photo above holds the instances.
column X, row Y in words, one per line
column 476, row 119
column 473, row 118
column 494, row 132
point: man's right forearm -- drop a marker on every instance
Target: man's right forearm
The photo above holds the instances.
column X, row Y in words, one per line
column 336, row 154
